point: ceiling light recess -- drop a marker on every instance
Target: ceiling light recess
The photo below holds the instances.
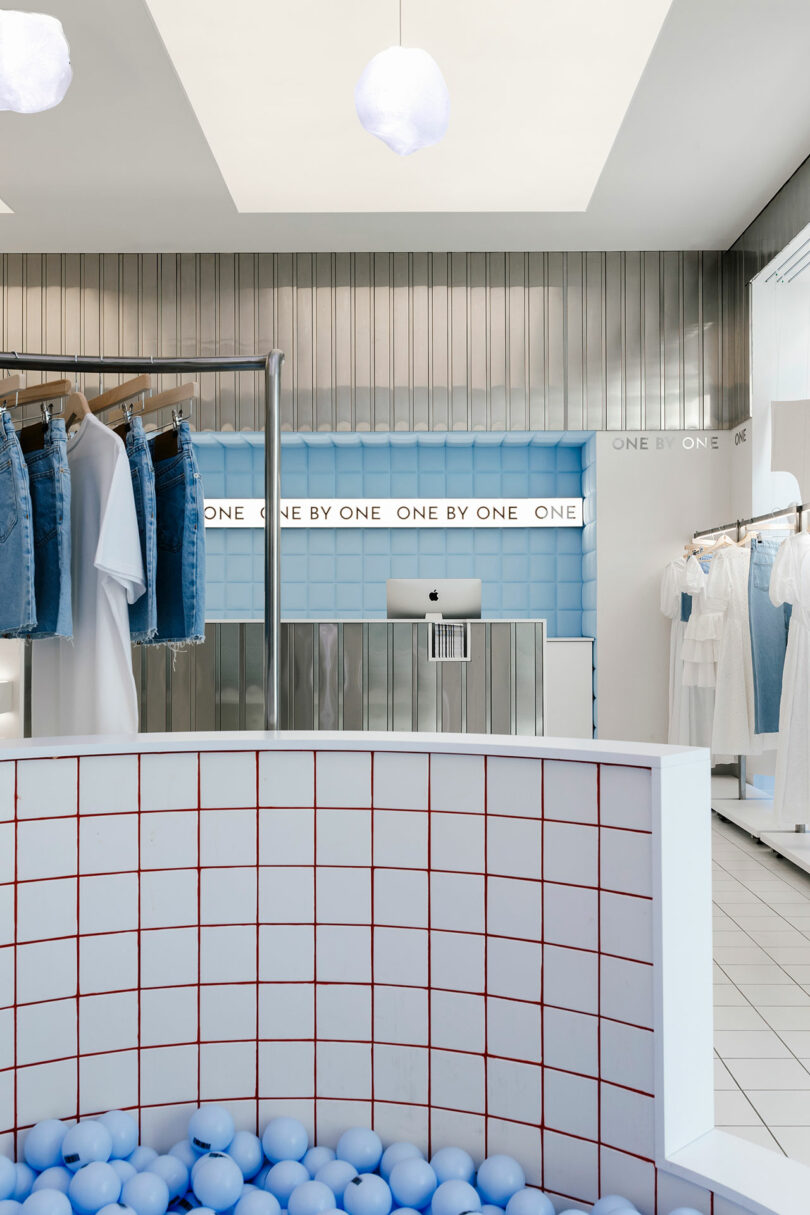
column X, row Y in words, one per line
column 402, row 99
column 35, row 68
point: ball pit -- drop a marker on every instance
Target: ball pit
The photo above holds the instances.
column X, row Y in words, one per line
column 97, row 1167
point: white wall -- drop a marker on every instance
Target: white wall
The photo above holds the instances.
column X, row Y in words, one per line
column 11, row 671
column 653, row 490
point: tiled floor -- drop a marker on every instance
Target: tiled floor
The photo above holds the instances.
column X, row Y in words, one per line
column 762, row 993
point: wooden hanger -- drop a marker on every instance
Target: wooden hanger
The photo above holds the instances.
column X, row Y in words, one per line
column 32, row 438
column 39, row 392
column 162, row 400
column 122, row 392
column 11, row 385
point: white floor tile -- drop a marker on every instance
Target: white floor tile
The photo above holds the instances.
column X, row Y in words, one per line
column 723, row 1078
column 797, row 1042
column 726, row 995
column 776, row 995
column 749, row 1044
column 792, row 1017
column 734, row 1109
column 780, row 1107
column 794, row 1141
column 742, row 1016
column 751, row 1074
column 767, row 973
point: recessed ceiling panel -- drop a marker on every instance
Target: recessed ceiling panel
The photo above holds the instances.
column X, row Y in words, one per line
column 539, row 89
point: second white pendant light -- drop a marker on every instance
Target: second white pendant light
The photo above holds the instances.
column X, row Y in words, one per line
column 402, row 99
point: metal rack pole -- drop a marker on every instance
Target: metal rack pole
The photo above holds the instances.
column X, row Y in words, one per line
column 270, row 364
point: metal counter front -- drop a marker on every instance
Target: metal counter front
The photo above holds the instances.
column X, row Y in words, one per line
column 349, row 675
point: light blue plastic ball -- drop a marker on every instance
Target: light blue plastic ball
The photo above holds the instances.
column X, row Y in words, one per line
column 316, row 1158
column 396, row 1152
column 117, row 1208
column 452, row 1164
column 210, row 1129
column 187, row 1203
column 246, row 1149
column 499, row 1177
column 94, row 1186
column 124, row 1169
column 24, row 1178
column 282, row 1179
column 310, row 1198
column 454, row 1197
column 217, row 1181
column 257, row 1202
column 529, row 1202
column 336, row 1174
column 141, row 1158
column 43, row 1144
column 367, row 1194
column 610, row 1203
column 684, row 1211
column 185, row 1152
column 261, row 1176
column 123, row 1130
column 84, row 1143
column 55, row 1178
column 173, row 1172
column 8, row 1178
column 285, row 1139
column 413, row 1183
column 47, row 1202
column 10, row 1206
column 572, row 1211
column 146, row 1193
column 487, row 1208
column 361, row 1147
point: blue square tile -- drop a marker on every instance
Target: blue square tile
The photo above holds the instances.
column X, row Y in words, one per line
column 293, row 568
column 349, row 595
column 569, row 569
column 321, row 485
column 238, row 596
column 569, row 539
column 404, row 540
column 542, row 459
column 569, row 596
column 214, row 568
column 551, row 624
column 487, row 459
column 514, row 568
column 432, row 459
column 350, row 569
column 542, row 596
column 214, row 485
column 569, row 624
column 293, row 459
column 376, row 569
column 376, row 540
column 458, row 566
column 376, row 484
column 321, row 569
column 216, row 540
column 432, row 485
column 486, row 540
column 515, row 485
column 294, row 485
column 514, row 459
column 569, row 485
column 515, row 540
column 542, row 540
column 432, row 565
column 404, row 485
column 459, row 485
column 293, row 597
column 404, row 459
column 322, row 541
column 487, row 485
column 350, row 459
column 491, row 598
column 569, row 458
column 542, row 485
column 588, row 595
column 238, row 460
column 487, row 568
column 239, row 569
column 459, row 459
column 349, row 540
column 404, row 565
column 240, row 540
column 459, row 540
column 321, row 597
column 432, row 541
column 322, row 460
column 293, row 540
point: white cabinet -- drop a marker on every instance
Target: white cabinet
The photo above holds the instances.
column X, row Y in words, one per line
column 569, row 687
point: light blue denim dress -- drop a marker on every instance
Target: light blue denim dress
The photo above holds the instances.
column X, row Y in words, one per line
column 49, row 478
column 769, row 633
column 143, row 612
column 18, row 612
column 180, row 583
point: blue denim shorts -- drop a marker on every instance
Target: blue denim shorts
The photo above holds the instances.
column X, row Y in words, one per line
column 180, row 582
column 143, row 612
column 18, row 613
column 49, row 477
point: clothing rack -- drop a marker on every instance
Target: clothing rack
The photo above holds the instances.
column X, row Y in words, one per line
column 797, row 509
column 270, row 366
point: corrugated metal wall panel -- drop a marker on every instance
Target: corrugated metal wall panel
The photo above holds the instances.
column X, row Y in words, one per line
column 482, row 341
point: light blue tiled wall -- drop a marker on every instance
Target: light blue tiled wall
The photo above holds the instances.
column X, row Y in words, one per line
column 341, row 573
column 589, row 552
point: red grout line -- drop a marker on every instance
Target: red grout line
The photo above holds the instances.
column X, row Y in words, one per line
column 15, row 964
column 599, row 977
column 199, row 926
column 371, row 936
column 486, row 961
column 258, row 937
column 542, row 1127
column 315, row 945
column 140, row 951
column 429, row 963
column 78, row 948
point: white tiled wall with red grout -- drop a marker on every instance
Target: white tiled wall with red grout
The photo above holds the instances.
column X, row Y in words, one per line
column 455, row 947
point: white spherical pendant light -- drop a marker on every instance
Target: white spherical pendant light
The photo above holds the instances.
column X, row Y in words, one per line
column 402, row 98
column 34, row 62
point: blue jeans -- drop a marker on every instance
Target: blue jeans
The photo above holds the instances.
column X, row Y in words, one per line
column 49, row 477
column 143, row 612
column 180, row 543
column 18, row 613
column 769, row 632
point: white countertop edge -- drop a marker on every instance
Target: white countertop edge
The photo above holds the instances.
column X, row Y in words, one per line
column 755, row 1177
column 647, row 755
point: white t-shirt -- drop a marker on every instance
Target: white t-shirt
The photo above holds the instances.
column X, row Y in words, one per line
column 86, row 686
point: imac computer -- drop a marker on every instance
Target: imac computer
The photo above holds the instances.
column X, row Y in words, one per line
column 449, row 598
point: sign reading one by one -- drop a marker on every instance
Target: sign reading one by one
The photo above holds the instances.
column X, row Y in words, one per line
column 399, row 512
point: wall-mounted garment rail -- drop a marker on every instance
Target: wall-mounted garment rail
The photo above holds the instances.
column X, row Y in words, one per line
column 270, row 365
column 798, row 508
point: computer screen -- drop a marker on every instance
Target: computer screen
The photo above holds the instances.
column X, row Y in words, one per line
column 451, row 598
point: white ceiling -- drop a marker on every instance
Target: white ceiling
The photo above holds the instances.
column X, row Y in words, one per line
column 538, row 92
column 710, row 132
